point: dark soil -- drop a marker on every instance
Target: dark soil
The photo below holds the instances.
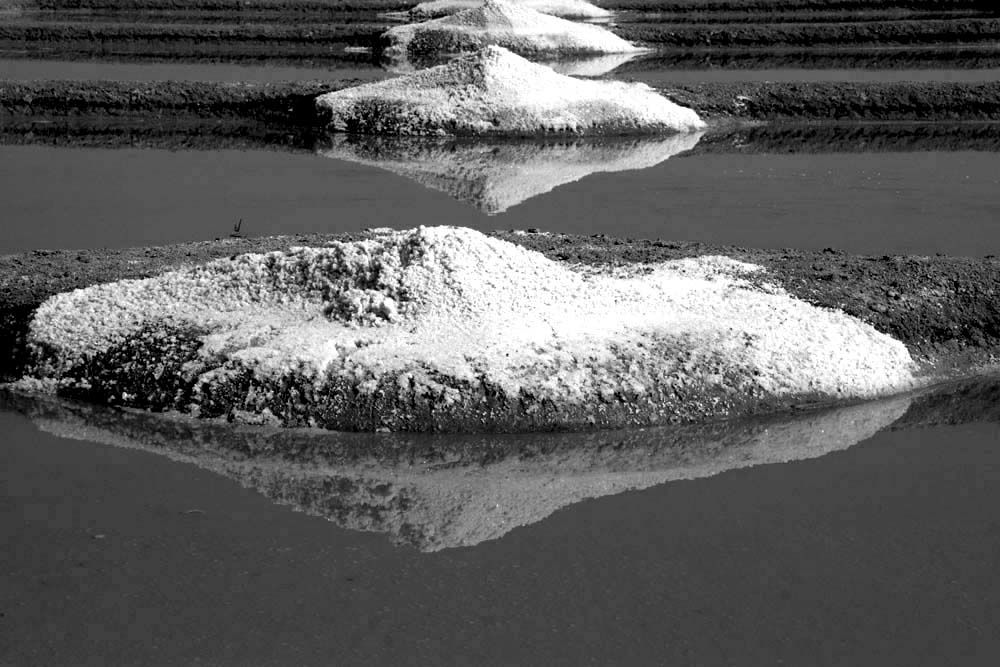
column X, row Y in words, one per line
column 984, row 56
column 292, row 103
column 776, row 138
column 920, row 101
column 179, row 133
column 815, row 34
column 193, row 133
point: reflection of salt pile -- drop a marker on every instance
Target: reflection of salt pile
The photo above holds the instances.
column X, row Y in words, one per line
column 446, row 328
column 567, row 9
column 503, row 23
column 583, row 66
column 496, row 92
column 487, row 487
column 592, row 66
column 495, row 176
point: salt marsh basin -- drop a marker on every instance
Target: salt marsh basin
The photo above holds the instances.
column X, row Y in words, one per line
column 851, row 153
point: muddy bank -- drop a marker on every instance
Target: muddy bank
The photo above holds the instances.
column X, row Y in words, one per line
column 293, row 102
column 100, row 131
column 186, row 133
column 290, row 103
column 842, row 100
column 908, row 32
column 849, row 137
column 943, row 309
column 875, row 58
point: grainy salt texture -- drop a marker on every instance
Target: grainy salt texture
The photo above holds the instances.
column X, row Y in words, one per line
column 437, row 310
column 567, row 9
column 503, row 23
column 493, row 176
column 495, row 92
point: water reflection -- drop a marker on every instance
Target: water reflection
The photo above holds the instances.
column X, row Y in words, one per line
column 496, row 175
column 438, row 492
column 580, row 66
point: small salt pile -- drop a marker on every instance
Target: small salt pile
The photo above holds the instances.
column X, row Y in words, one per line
column 502, row 23
column 495, row 92
column 567, row 9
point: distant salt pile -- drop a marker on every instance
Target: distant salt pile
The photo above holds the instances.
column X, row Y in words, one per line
column 493, row 176
column 444, row 328
column 502, row 23
column 495, row 92
column 567, row 9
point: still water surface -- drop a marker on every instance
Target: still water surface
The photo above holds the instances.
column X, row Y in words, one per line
column 883, row 552
column 880, row 551
column 871, row 203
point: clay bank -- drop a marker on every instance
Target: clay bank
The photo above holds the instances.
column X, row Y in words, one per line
column 448, row 329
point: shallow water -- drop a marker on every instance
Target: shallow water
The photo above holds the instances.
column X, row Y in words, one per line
column 882, row 549
column 92, row 70
column 133, row 540
column 870, row 203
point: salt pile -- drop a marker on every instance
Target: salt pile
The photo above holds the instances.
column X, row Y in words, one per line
column 495, row 92
column 493, row 176
column 567, row 9
column 502, row 23
column 446, row 328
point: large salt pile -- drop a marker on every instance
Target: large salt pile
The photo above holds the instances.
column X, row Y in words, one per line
column 502, row 23
column 444, row 328
column 493, row 176
column 495, row 92
column 567, row 9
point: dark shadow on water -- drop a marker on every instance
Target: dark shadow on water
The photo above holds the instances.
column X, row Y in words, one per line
column 435, row 492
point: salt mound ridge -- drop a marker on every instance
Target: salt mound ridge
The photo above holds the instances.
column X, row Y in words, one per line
column 567, row 9
column 495, row 92
column 502, row 23
column 493, row 176
column 446, row 328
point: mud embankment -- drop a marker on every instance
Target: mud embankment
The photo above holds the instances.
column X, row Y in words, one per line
column 292, row 103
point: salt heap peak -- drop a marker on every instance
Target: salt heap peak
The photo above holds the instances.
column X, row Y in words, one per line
column 567, row 9
column 502, row 23
column 495, row 92
column 445, row 328
column 495, row 175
